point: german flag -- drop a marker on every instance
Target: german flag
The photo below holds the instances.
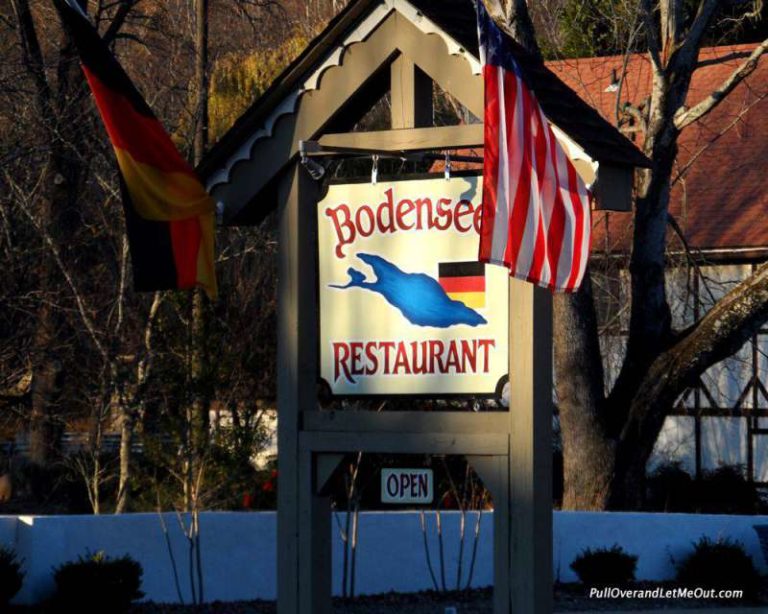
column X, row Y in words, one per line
column 169, row 216
column 464, row 281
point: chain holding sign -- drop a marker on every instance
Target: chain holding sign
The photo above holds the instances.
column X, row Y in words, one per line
column 405, row 307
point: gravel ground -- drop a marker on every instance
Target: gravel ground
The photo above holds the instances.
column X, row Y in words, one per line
column 568, row 598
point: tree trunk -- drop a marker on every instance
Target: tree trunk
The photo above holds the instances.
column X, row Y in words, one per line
column 126, row 442
column 200, row 426
column 60, row 112
column 44, row 390
column 588, row 450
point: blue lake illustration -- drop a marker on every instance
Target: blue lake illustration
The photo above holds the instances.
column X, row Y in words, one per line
column 419, row 297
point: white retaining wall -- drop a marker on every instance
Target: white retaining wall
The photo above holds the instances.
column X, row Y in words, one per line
column 239, row 549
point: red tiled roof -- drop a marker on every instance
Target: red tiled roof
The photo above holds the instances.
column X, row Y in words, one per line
column 721, row 201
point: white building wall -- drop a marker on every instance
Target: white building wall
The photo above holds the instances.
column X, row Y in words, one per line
column 724, row 439
column 239, row 548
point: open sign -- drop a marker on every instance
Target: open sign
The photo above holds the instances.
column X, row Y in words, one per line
column 406, row 486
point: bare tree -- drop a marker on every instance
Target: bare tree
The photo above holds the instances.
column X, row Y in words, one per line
column 608, row 435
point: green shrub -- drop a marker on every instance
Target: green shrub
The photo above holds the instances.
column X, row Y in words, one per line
column 726, row 490
column 97, row 582
column 605, row 566
column 11, row 576
column 670, row 488
column 723, row 564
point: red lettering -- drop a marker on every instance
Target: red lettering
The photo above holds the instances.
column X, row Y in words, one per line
column 478, row 219
column 339, row 226
column 453, row 358
column 436, row 356
column 422, row 203
column 359, row 221
column 373, row 360
column 418, row 366
column 356, row 358
column 443, row 212
column 468, row 355
column 341, row 361
column 486, row 344
column 404, row 207
column 387, row 217
column 387, row 346
column 357, row 354
column 402, row 360
column 386, row 207
column 468, row 209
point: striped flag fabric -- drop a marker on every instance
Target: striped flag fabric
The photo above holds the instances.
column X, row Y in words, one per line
column 170, row 218
column 536, row 208
column 464, row 281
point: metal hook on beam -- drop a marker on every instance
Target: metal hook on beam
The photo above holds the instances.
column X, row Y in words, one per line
column 375, row 169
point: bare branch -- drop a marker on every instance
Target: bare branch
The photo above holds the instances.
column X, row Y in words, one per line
column 689, row 50
column 81, row 308
column 685, row 117
column 654, row 46
column 119, row 19
column 32, row 57
column 720, row 333
column 671, row 23
column 681, row 173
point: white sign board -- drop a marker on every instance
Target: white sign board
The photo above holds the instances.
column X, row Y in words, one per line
column 405, row 308
column 406, row 486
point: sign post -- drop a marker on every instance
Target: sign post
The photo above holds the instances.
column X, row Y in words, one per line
column 351, row 264
column 530, row 449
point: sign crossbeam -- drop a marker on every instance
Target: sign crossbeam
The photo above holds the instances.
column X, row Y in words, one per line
column 317, row 149
column 406, row 443
column 406, row 421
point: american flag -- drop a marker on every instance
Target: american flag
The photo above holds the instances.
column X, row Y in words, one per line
column 536, row 208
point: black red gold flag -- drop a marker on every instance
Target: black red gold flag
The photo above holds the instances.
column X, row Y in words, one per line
column 169, row 216
column 464, row 281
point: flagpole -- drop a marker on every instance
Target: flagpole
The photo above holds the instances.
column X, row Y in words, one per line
column 201, row 80
column 199, row 409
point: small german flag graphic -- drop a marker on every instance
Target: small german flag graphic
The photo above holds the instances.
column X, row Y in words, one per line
column 169, row 216
column 464, row 281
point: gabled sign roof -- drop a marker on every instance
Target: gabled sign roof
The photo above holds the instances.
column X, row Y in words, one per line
column 453, row 21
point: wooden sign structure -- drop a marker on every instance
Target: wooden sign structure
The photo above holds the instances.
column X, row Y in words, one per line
column 402, row 48
column 511, row 451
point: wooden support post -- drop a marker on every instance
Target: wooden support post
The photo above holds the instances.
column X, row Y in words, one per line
column 297, row 371
column 494, row 472
column 411, row 92
column 530, row 452
column 314, row 541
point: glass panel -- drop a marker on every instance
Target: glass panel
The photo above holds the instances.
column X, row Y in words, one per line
column 676, row 444
column 762, row 368
column 723, row 442
column 681, row 296
column 718, row 281
column 760, row 443
column 727, row 380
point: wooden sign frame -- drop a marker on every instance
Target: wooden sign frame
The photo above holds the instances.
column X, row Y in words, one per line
column 510, row 450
